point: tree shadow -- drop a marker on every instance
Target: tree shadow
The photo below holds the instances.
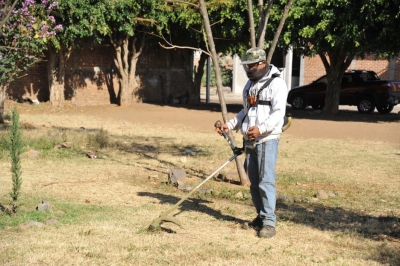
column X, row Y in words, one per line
column 343, row 222
column 339, row 219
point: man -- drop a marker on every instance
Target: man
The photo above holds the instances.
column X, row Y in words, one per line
column 260, row 122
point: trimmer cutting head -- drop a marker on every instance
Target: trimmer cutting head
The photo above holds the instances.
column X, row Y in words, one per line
column 156, row 224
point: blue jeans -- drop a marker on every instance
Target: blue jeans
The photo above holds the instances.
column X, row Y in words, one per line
column 260, row 165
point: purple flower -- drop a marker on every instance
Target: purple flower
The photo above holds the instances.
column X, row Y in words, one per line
column 59, row 27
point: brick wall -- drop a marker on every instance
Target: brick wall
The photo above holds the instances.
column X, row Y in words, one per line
column 313, row 67
column 162, row 74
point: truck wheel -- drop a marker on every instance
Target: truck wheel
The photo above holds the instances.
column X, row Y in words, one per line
column 298, row 102
column 385, row 109
column 366, row 105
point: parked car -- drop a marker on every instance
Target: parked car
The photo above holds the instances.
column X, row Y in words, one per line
column 360, row 88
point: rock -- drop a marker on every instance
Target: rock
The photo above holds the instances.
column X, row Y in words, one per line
column 239, row 195
column 43, row 207
column 186, row 188
column 321, row 194
column 45, row 201
column 176, row 174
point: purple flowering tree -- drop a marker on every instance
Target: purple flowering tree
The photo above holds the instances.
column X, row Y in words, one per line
column 25, row 31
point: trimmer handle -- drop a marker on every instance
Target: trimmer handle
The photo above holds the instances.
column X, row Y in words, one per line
column 220, row 130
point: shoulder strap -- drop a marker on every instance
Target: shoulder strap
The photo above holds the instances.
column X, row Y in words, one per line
column 266, row 84
column 258, row 94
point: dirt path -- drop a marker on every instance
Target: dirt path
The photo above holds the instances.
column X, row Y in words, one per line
column 349, row 124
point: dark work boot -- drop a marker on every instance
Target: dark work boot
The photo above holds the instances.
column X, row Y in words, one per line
column 256, row 224
column 267, row 231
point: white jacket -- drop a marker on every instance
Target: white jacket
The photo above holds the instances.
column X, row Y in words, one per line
column 270, row 118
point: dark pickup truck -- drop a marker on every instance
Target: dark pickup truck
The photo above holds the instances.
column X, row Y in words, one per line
column 361, row 88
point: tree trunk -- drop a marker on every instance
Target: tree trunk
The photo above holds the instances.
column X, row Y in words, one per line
column 3, row 89
column 263, row 21
column 126, row 56
column 195, row 96
column 244, row 180
column 56, row 75
column 109, row 79
column 251, row 22
column 338, row 62
column 279, row 30
column 332, row 94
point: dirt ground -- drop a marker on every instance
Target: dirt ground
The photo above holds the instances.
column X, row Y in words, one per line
column 348, row 124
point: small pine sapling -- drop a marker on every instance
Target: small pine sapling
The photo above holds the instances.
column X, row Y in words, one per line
column 16, row 147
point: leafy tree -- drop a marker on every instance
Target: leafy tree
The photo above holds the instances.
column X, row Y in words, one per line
column 222, row 25
column 210, row 25
column 78, row 18
column 23, row 38
column 228, row 25
column 127, row 25
column 339, row 31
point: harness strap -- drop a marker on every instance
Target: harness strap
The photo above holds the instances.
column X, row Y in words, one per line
column 264, row 102
column 258, row 94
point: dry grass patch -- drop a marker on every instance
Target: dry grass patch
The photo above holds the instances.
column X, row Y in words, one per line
column 103, row 206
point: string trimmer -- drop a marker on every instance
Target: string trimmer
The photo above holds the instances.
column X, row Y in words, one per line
column 156, row 224
column 164, row 217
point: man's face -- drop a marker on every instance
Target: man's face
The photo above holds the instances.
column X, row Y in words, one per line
column 255, row 66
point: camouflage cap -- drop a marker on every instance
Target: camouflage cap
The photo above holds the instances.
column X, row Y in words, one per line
column 254, row 55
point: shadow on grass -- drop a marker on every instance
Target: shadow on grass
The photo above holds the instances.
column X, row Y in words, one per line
column 383, row 228
column 338, row 219
column 194, row 204
column 343, row 222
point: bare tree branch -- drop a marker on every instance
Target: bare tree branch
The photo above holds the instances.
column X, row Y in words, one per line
column 263, row 22
column 172, row 46
column 279, row 30
column 6, row 13
column 244, row 180
column 251, row 22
